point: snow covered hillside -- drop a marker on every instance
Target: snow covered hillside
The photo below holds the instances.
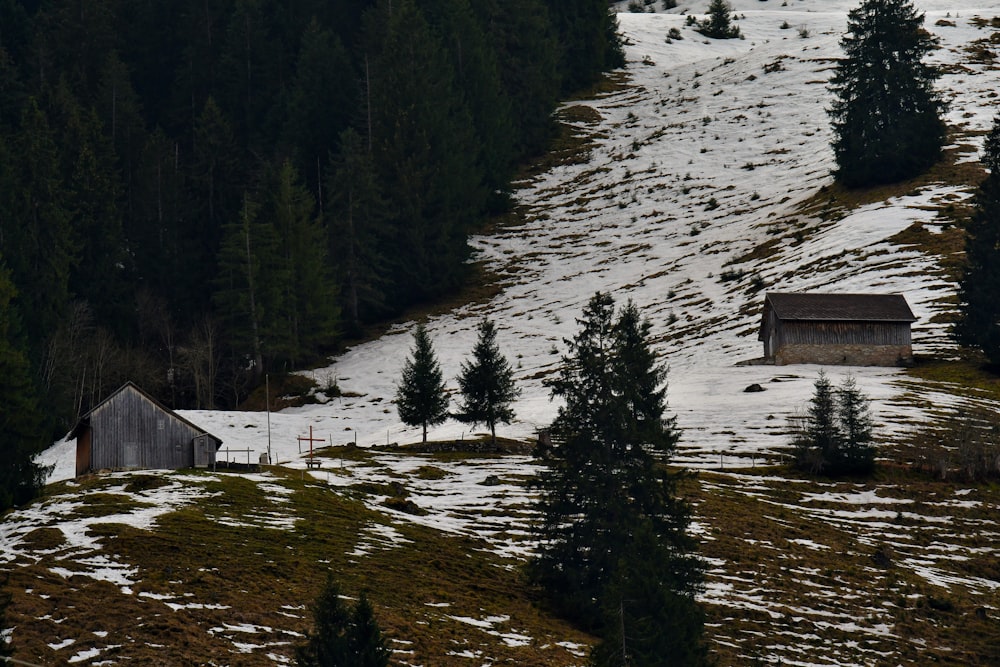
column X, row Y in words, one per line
column 706, row 184
column 706, row 155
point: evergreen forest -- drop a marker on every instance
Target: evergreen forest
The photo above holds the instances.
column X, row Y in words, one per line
column 194, row 194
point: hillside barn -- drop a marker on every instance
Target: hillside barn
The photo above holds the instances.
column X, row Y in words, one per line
column 131, row 430
column 837, row 329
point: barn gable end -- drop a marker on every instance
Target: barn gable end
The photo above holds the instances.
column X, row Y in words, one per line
column 130, row 430
column 837, row 329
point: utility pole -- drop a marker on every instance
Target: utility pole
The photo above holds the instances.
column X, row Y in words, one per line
column 267, row 403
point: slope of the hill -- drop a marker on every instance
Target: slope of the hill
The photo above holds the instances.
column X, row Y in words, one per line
column 703, row 187
column 705, row 183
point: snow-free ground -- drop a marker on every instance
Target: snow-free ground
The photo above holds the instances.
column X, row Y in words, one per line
column 705, row 185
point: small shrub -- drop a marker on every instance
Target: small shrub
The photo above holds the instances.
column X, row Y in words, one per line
column 674, row 33
column 729, row 275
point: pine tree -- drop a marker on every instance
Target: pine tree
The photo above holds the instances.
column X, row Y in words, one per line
column 420, row 398
column 612, row 531
column 886, row 114
column 979, row 309
column 719, row 23
column 487, row 383
column 342, row 637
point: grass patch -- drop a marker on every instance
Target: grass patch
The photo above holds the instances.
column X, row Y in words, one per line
column 106, row 504
column 969, row 376
column 200, row 579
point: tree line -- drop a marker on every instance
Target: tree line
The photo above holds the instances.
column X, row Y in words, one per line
column 195, row 193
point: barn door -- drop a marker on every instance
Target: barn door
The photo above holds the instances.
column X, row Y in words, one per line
column 130, row 455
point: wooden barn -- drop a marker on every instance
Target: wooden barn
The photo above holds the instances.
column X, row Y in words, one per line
column 837, row 329
column 131, row 430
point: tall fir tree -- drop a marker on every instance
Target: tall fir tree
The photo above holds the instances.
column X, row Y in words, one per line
column 323, row 99
column 420, row 397
column 357, row 223
column 250, row 288
column 487, row 383
column 886, row 114
column 528, row 56
column 36, row 237
column 309, row 313
column 477, row 76
column 22, row 433
column 613, row 543
column 422, row 136
column 979, row 309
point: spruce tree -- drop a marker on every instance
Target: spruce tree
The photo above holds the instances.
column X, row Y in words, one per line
column 979, row 309
column 719, row 23
column 487, row 383
column 612, row 530
column 886, row 114
column 420, row 397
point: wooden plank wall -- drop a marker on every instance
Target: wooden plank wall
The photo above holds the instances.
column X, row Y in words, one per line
column 844, row 333
column 130, row 431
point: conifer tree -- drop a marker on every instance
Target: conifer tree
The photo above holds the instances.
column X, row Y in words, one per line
column 979, row 308
column 308, row 318
column 342, row 636
column 886, row 114
column 835, row 437
column 358, row 232
column 857, row 454
column 21, row 426
column 487, row 383
column 6, row 650
column 250, row 285
column 612, row 530
column 420, row 397
column 422, row 136
column 719, row 23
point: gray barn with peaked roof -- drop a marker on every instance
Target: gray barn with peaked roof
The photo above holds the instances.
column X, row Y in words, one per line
column 836, row 329
column 131, row 430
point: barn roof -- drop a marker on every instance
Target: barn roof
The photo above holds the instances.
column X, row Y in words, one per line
column 840, row 307
column 85, row 419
